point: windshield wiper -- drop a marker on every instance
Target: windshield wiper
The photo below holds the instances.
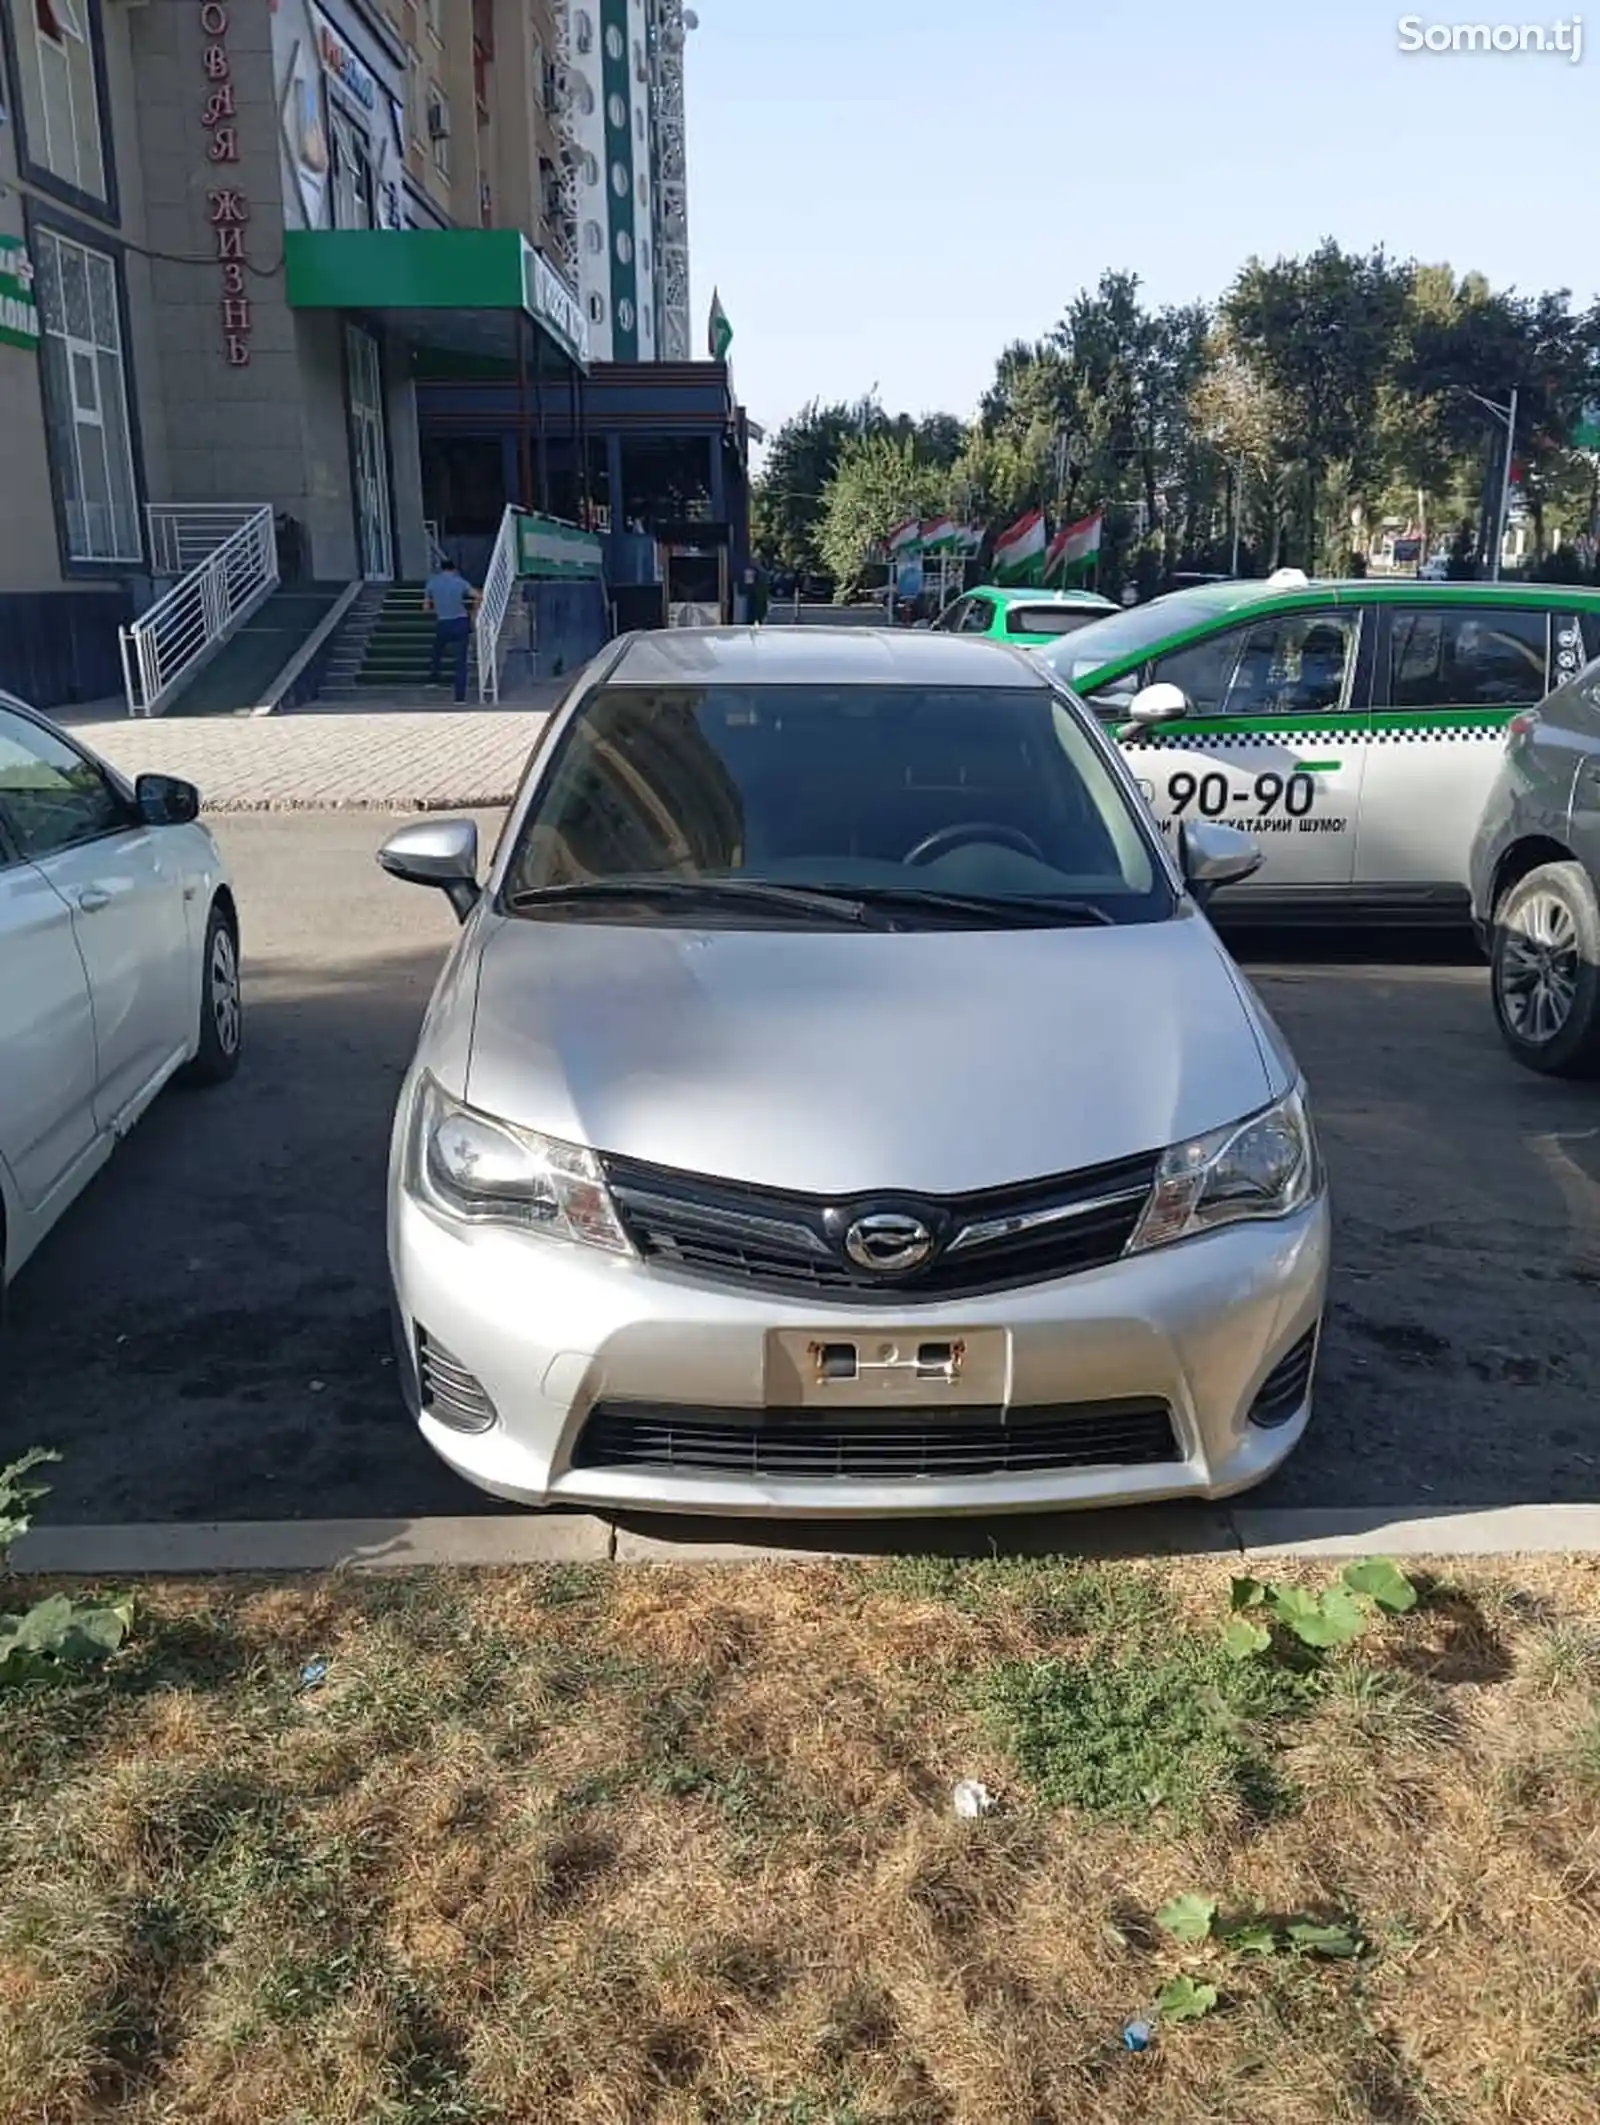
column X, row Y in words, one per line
column 1023, row 911
column 839, row 907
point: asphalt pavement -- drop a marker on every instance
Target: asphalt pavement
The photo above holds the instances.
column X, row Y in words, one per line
column 205, row 1335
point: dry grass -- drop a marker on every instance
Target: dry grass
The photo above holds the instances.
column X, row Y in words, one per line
column 677, row 1846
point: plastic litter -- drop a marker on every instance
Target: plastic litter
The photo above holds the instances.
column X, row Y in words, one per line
column 313, row 1674
column 971, row 1799
column 1138, row 2036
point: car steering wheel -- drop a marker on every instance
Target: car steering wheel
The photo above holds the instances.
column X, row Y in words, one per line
column 964, row 833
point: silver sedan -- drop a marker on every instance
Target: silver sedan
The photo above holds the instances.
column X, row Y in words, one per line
column 119, row 964
column 837, row 1102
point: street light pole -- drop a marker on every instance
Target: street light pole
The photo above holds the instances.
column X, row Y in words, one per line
column 1507, row 417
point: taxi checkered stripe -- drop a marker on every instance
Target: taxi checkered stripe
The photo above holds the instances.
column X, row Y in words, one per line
column 1245, row 741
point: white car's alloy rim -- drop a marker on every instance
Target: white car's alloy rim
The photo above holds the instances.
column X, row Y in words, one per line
column 225, row 991
column 1539, row 965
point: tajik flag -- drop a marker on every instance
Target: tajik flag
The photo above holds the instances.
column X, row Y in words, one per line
column 1074, row 546
column 1017, row 551
column 938, row 536
column 969, row 538
column 905, row 539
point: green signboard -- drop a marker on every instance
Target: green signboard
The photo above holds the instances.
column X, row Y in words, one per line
column 19, row 313
column 1586, row 436
column 547, row 547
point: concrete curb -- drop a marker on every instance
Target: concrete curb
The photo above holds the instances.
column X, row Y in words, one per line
column 492, row 1539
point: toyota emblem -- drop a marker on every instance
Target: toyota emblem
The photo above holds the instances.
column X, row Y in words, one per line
column 889, row 1241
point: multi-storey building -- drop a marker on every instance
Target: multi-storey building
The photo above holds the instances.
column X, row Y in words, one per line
column 625, row 117
column 242, row 241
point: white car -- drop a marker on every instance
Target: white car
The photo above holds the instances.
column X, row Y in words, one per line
column 119, row 965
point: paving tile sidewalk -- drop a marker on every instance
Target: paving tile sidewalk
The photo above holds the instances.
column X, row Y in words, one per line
column 440, row 761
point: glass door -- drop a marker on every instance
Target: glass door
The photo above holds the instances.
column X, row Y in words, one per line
column 370, row 452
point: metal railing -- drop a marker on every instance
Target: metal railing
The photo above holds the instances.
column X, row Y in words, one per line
column 164, row 645
column 436, row 552
column 183, row 534
column 499, row 580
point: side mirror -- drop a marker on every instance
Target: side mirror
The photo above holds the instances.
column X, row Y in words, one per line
column 439, row 852
column 1161, row 703
column 165, row 801
column 1212, row 854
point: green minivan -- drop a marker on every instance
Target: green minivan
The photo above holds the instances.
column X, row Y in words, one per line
column 1353, row 727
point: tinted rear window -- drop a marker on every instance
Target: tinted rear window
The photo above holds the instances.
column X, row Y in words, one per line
column 1051, row 619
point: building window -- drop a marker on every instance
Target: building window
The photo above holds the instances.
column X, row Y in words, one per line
column 591, row 169
column 86, row 399
column 638, row 122
column 639, row 69
column 60, row 106
column 615, row 45
column 625, row 313
column 617, row 111
column 644, row 192
column 439, row 130
column 583, row 32
column 583, row 97
column 597, row 309
column 413, row 94
column 594, row 238
column 619, row 179
column 644, row 324
column 624, row 246
column 352, row 174
column 644, row 254
column 435, row 17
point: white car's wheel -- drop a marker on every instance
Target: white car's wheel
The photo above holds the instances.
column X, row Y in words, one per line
column 221, row 1004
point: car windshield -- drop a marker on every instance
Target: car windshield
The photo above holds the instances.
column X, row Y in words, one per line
column 1120, row 635
column 915, row 807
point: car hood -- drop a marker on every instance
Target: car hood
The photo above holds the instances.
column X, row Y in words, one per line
column 938, row 1061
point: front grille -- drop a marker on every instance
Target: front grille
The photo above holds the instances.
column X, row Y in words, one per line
column 1286, row 1386
column 928, row 1443
column 449, row 1392
column 726, row 1232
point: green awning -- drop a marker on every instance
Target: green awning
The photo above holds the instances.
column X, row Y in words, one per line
column 461, row 290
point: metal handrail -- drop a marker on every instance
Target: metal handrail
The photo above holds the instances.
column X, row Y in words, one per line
column 183, row 534
column 494, row 600
column 436, row 553
column 162, row 647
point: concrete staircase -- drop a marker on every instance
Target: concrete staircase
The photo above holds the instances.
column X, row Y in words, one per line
column 384, row 647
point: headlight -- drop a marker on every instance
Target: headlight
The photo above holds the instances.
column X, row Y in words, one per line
column 476, row 1170
column 1264, row 1167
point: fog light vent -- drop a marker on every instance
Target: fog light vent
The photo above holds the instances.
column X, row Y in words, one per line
column 1285, row 1388
column 450, row 1393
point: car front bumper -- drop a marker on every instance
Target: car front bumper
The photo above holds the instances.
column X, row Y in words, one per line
column 551, row 1330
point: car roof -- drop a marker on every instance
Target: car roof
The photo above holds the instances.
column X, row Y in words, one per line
column 1213, row 600
column 1020, row 594
column 819, row 656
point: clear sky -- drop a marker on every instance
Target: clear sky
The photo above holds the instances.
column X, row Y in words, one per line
column 889, row 194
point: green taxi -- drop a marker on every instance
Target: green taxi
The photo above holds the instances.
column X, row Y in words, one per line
column 1029, row 619
column 1353, row 727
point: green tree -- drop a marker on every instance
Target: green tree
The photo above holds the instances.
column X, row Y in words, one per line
column 1323, row 333
column 786, row 502
column 880, row 480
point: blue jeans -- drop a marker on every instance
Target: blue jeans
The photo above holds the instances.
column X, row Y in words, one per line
column 455, row 634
